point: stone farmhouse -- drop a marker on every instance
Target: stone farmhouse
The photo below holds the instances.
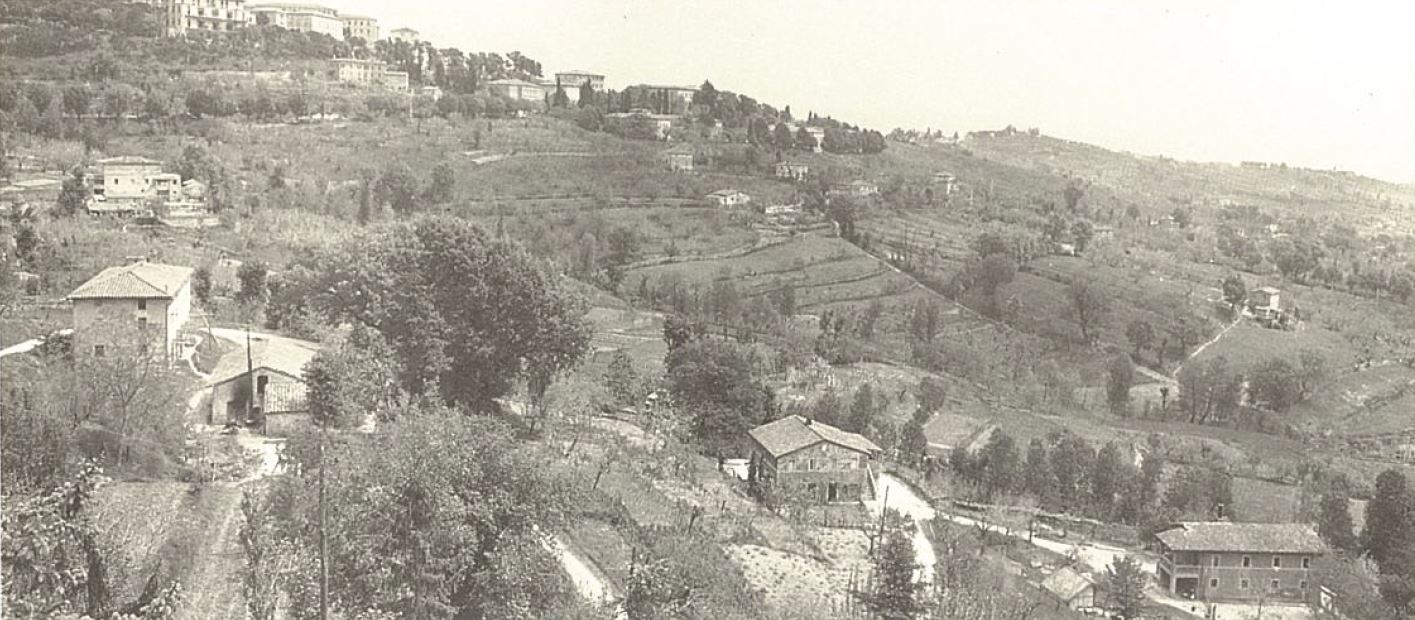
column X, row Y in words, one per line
column 814, row 459
column 729, row 198
column 796, row 171
column 140, row 304
column 1223, row 561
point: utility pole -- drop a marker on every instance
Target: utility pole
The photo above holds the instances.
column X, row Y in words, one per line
column 323, row 539
column 250, row 376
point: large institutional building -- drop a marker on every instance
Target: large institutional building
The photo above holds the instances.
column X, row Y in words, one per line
column 301, row 17
column 182, row 16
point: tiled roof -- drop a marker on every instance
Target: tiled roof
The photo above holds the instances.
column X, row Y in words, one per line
column 1254, row 537
column 725, row 192
column 1066, row 583
column 135, row 281
column 278, row 355
column 794, row 432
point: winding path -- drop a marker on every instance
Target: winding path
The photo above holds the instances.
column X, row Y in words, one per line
column 892, row 493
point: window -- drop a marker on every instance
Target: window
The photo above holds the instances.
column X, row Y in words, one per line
column 1243, row 584
column 1277, row 561
column 1214, row 561
column 142, row 323
column 1247, row 561
column 99, row 350
column 1306, row 562
column 1274, row 585
column 1302, row 585
column 811, row 464
column 1213, row 584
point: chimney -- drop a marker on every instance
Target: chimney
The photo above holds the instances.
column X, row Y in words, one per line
column 808, row 421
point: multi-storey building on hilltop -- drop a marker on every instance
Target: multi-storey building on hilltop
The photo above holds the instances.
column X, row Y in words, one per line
column 182, row 16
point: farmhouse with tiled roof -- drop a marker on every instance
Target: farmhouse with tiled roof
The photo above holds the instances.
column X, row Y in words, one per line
column 815, row 460
column 1222, row 561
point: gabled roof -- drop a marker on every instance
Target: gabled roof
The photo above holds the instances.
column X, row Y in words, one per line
column 1238, row 537
column 1266, row 289
column 135, row 281
column 794, row 432
column 1066, row 583
column 727, row 192
column 277, row 355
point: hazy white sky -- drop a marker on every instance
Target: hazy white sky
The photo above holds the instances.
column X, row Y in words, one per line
column 1314, row 83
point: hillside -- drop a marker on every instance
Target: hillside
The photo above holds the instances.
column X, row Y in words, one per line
column 1054, row 292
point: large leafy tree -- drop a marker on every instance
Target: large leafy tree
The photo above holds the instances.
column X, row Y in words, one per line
column 715, row 382
column 437, row 515
column 466, row 315
column 1334, row 521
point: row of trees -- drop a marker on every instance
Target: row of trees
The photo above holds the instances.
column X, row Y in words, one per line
column 1387, row 539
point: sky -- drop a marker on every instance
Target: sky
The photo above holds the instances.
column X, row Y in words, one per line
column 1321, row 84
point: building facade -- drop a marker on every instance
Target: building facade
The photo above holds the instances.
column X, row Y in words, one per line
column 369, row 73
column 360, row 26
column 729, row 198
column 517, row 90
column 571, row 81
column 301, row 17
column 183, row 16
column 140, row 304
column 679, row 161
column 795, row 171
column 1223, row 561
column 265, row 388
column 406, row 35
column 814, row 460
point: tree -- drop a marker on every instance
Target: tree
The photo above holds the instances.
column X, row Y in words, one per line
column 1081, row 233
column 1334, row 521
column 1108, row 477
column 443, row 188
column 913, row 444
column 862, row 410
column 1036, row 477
column 1235, row 292
column 464, row 314
column 351, row 380
column 716, row 383
column 1088, row 306
column 1000, row 465
column 781, row 137
column 804, row 140
column 436, row 515
column 622, row 379
column 252, row 276
column 1072, row 194
column 1127, row 587
column 1120, row 378
column 559, row 99
column 397, row 189
column 895, row 591
column 1275, row 384
column 1071, row 462
column 201, row 284
column 1182, row 216
column 74, row 194
column 656, row 590
column 1389, row 533
column 994, row 271
column 1141, row 335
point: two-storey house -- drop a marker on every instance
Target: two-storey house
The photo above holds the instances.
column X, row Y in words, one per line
column 140, row 304
column 1222, row 561
column 815, row 460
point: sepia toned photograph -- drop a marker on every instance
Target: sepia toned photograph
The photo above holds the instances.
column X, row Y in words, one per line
column 707, row 310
